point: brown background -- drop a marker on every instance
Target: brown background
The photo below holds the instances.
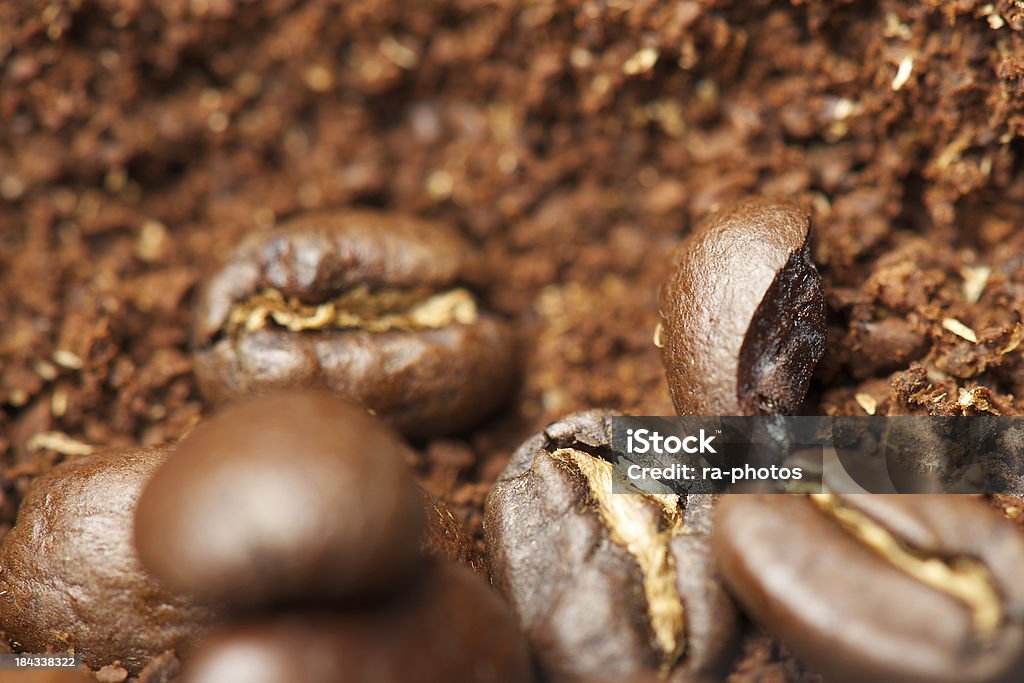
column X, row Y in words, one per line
column 574, row 141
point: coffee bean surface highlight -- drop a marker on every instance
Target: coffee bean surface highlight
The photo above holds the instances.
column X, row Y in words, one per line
column 292, row 496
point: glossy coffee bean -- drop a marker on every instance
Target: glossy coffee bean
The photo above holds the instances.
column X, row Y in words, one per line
column 605, row 585
column 378, row 307
column 743, row 313
column 452, row 627
column 292, row 496
column 69, row 577
column 897, row 588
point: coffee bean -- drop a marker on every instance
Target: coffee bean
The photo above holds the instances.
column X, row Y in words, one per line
column 291, row 496
column 450, row 628
column 69, row 577
column 377, row 307
column 605, row 585
column 446, row 539
column 743, row 313
column 884, row 587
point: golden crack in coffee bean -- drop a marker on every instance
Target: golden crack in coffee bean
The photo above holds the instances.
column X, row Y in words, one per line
column 606, row 585
column 357, row 310
column 643, row 525
column 961, row 577
column 900, row 588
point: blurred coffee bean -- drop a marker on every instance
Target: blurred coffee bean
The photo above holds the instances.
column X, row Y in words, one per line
column 606, row 585
column 743, row 312
column 69, row 576
column 446, row 539
column 880, row 587
column 450, row 628
column 375, row 306
column 291, row 496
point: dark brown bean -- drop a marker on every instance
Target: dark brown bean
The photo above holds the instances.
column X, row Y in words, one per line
column 451, row 628
column 289, row 496
column 377, row 307
column 69, row 578
column 895, row 588
column 606, row 585
column 743, row 313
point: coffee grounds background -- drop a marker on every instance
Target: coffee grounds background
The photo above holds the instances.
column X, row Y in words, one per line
column 574, row 141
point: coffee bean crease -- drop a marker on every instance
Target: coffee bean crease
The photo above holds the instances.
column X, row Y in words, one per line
column 961, row 577
column 606, row 585
column 644, row 525
column 359, row 309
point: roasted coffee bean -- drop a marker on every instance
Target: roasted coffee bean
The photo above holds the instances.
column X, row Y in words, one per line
column 377, row 307
column 446, row 539
column 69, row 577
column 286, row 497
column 605, row 585
column 880, row 587
column 743, row 313
column 452, row 627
